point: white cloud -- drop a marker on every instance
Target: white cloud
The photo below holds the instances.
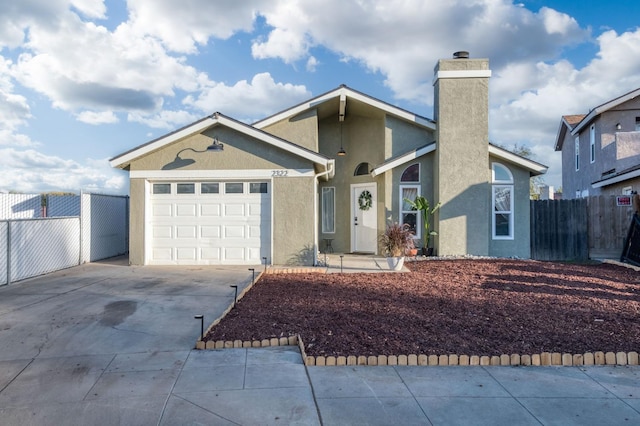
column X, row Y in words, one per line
column 182, row 25
column 249, row 101
column 164, row 119
column 31, row 171
column 92, row 117
column 312, row 64
column 90, row 8
column 116, row 71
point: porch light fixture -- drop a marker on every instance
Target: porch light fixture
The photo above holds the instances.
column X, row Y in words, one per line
column 341, row 152
column 618, row 126
column 180, row 162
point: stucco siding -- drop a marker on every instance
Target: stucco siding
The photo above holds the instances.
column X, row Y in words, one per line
column 301, row 129
column 520, row 246
column 293, row 221
column 240, row 152
column 462, row 176
column 137, row 190
column 401, row 136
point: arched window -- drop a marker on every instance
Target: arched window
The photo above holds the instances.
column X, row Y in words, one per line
column 362, row 169
column 411, row 174
column 502, row 202
column 410, row 189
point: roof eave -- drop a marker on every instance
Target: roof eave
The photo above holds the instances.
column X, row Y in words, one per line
column 403, row 159
column 535, row 168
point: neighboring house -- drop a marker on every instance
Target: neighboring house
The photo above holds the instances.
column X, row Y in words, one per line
column 601, row 150
column 333, row 170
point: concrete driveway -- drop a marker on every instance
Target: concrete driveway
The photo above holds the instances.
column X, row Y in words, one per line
column 105, row 343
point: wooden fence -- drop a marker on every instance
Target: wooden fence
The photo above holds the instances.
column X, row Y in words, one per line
column 580, row 229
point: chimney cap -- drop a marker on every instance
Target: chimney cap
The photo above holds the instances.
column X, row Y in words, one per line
column 462, row 54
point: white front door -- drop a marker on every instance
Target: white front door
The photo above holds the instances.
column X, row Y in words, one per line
column 364, row 219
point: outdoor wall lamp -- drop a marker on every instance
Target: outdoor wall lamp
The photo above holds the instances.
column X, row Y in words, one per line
column 619, row 126
column 341, row 152
column 179, row 162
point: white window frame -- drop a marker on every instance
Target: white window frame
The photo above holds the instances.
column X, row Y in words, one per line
column 577, row 153
column 502, row 184
column 419, row 225
column 325, row 229
column 592, row 144
column 502, row 212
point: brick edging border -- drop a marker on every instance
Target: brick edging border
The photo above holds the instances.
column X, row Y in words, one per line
column 541, row 359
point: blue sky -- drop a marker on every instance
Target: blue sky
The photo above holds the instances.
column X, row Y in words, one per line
column 84, row 80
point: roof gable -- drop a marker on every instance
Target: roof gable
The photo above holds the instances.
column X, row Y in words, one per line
column 604, row 107
column 344, row 93
column 567, row 123
column 123, row 160
column 533, row 167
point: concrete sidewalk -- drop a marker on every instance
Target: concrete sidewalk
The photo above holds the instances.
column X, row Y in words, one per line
column 271, row 386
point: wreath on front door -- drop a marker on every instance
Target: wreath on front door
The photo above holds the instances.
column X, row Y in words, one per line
column 364, row 200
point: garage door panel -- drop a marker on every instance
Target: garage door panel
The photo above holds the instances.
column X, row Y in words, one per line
column 162, row 231
column 160, row 210
column 210, row 229
column 210, row 210
column 234, row 254
column 163, row 254
column 186, row 231
column 234, row 209
column 254, row 231
column 255, row 210
column 210, row 254
column 234, row 231
column 186, row 253
column 186, row 210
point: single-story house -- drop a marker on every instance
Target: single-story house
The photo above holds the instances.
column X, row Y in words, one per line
column 330, row 173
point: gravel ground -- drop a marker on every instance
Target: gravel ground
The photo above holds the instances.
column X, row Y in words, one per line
column 473, row 307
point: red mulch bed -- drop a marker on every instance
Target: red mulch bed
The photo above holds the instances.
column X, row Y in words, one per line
column 472, row 307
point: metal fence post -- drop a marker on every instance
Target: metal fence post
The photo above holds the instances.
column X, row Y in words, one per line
column 8, row 252
column 81, row 251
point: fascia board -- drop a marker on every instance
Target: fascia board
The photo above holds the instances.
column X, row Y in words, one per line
column 345, row 91
column 603, row 108
column 616, row 179
column 403, row 159
column 534, row 167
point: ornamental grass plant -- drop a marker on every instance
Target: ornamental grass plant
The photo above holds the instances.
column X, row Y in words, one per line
column 396, row 240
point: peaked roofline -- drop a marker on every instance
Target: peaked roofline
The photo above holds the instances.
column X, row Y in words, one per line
column 603, row 108
column 403, row 159
column 344, row 90
column 565, row 125
column 124, row 159
column 534, row 167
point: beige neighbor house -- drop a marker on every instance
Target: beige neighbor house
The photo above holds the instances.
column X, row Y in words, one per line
column 332, row 171
column 601, row 149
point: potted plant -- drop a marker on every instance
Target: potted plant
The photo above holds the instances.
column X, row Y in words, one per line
column 396, row 241
column 421, row 204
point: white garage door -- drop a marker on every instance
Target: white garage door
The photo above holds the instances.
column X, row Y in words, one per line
column 210, row 223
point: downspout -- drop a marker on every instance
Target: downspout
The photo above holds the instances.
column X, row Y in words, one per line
column 316, row 179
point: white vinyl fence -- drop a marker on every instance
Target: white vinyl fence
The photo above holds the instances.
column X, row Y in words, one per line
column 90, row 227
